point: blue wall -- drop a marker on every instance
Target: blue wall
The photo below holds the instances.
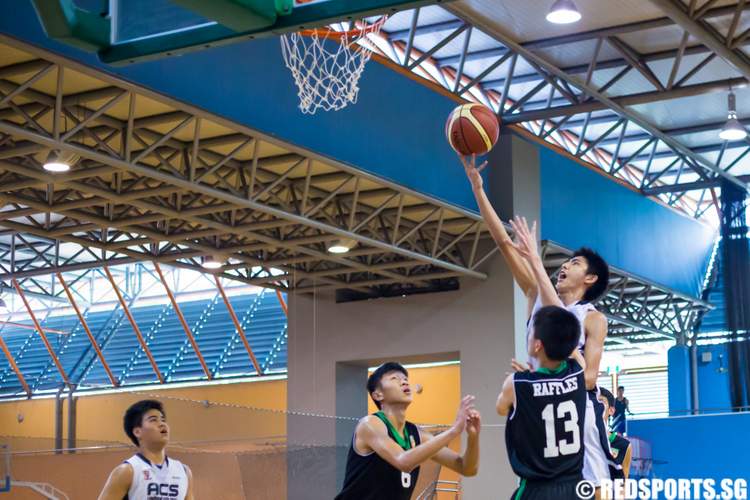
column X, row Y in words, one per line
column 697, row 447
column 396, row 132
column 713, row 379
column 680, row 398
column 581, row 207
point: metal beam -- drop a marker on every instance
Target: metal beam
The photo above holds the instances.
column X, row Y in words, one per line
column 691, row 129
column 225, row 196
column 41, row 332
column 707, row 148
column 29, row 293
column 30, row 327
column 403, row 35
column 676, row 12
column 14, row 366
column 185, row 326
column 85, row 326
column 136, row 329
column 238, row 326
column 109, row 133
column 620, row 101
column 689, row 186
column 282, row 302
column 634, row 117
column 556, row 41
column 81, row 266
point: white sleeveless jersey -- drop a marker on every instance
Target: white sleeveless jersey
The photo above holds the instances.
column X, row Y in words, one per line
column 153, row 482
column 579, row 309
column 595, row 448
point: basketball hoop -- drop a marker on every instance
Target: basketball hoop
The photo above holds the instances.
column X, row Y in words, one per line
column 327, row 75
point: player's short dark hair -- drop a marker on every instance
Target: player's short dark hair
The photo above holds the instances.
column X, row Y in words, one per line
column 373, row 382
column 620, row 387
column 609, row 396
column 597, row 266
column 558, row 329
column 134, row 416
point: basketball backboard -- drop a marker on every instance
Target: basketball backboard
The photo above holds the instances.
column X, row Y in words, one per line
column 129, row 31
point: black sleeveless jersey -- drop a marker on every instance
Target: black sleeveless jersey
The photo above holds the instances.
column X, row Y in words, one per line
column 544, row 432
column 619, row 446
column 369, row 477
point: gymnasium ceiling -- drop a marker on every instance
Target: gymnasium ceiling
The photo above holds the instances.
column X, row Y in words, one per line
column 636, row 88
column 624, row 90
column 157, row 180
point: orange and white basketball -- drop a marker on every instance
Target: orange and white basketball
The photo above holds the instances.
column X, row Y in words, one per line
column 472, row 129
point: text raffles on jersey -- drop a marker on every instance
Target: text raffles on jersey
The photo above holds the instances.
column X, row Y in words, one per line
column 550, row 388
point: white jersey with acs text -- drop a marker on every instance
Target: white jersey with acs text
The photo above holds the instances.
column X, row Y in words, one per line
column 580, row 309
column 168, row 481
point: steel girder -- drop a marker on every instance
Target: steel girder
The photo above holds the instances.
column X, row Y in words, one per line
column 157, row 180
column 638, row 310
column 561, row 104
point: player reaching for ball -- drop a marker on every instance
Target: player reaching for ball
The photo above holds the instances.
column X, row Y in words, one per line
column 581, row 281
column 387, row 450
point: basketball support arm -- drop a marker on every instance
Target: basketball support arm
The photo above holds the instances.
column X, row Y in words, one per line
column 233, row 21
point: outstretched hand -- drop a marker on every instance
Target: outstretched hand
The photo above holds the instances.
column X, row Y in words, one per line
column 464, row 411
column 525, row 238
column 474, row 423
column 517, row 366
column 472, row 171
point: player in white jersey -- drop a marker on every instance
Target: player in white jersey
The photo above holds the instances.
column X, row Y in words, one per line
column 149, row 474
column 581, row 281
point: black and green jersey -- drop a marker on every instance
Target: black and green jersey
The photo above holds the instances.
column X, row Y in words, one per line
column 369, row 477
column 544, row 432
column 619, row 446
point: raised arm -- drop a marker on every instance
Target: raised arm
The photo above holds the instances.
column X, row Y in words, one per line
column 374, row 434
column 595, row 326
column 579, row 358
column 118, row 483
column 525, row 246
column 507, row 397
column 515, row 262
column 468, row 463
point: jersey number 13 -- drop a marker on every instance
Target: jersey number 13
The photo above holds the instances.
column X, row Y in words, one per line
column 567, row 412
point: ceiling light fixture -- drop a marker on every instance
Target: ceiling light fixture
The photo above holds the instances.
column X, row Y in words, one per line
column 56, row 163
column 732, row 129
column 211, row 263
column 563, row 12
column 342, row 246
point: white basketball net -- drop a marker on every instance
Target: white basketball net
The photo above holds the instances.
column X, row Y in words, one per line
column 327, row 72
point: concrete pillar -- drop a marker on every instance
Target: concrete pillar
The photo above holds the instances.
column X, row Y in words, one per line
column 513, row 185
column 332, row 344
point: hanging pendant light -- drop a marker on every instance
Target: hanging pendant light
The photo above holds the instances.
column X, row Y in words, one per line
column 732, row 129
column 56, row 162
column 563, row 12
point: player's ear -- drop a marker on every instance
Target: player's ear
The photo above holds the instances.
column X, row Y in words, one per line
column 590, row 279
column 537, row 346
column 377, row 395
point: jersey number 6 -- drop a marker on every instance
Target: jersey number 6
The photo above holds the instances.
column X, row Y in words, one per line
column 405, row 479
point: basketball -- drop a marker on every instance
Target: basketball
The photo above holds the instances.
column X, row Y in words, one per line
column 472, row 129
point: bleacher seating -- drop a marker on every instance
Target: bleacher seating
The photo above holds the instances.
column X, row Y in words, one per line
column 260, row 315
